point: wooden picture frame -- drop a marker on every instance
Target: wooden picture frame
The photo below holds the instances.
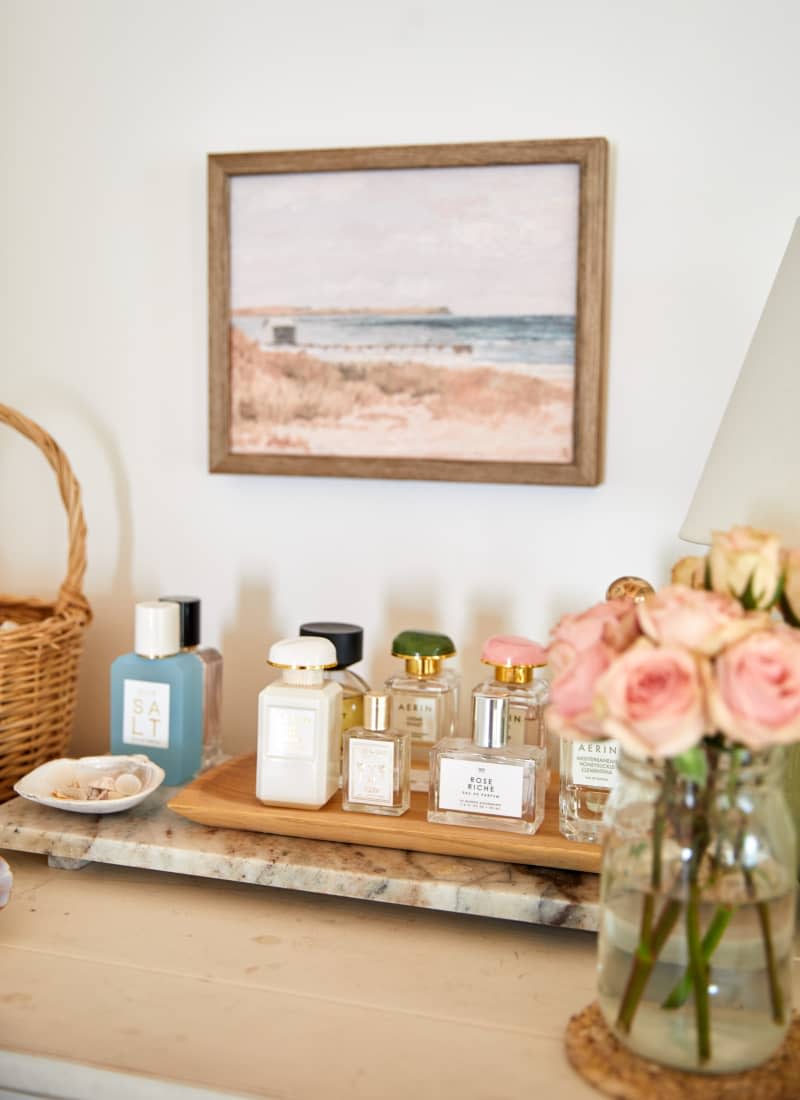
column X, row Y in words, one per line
column 269, row 212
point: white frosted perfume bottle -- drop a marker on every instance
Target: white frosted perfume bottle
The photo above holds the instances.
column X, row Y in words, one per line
column 515, row 660
column 588, row 772
column 377, row 761
column 423, row 698
column 299, row 727
column 348, row 641
column 211, row 663
column 486, row 783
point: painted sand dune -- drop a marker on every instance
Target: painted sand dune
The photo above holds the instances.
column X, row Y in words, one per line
column 290, row 401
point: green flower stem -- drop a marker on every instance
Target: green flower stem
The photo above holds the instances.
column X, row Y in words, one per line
column 646, row 958
column 646, row 952
column 775, row 991
column 698, row 968
column 714, row 933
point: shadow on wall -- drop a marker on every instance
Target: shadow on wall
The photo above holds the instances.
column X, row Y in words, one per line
column 245, row 643
column 107, row 636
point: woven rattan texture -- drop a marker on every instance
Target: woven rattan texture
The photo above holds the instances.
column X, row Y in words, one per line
column 615, row 1071
column 39, row 656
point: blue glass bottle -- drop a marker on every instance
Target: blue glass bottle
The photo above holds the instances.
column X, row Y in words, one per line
column 157, row 696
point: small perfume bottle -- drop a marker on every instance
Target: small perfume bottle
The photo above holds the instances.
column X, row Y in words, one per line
column 157, row 695
column 377, row 760
column 299, row 727
column 589, row 768
column 487, row 783
column 348, row 640
column 211, row 661
column 423, row 699
column 515, row 660
column 588, row 772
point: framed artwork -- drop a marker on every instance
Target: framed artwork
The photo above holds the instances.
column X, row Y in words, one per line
column 427, row 312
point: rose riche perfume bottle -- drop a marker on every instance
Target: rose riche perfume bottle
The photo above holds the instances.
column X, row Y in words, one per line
column 377, row 760
column 423, row 698
column 515, row 660
column 299, row 726
column 348, row 640
column 157, row 695
column 487, row 783
column 211, row 662
column 588, row 772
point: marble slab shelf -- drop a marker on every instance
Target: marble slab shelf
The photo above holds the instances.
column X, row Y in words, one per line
column 153, row 837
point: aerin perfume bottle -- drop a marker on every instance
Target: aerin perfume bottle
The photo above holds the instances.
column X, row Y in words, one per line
column 299, row 727
column 588, row 772
column 514, row 660
column 377, row 760
column 211, row 663
column 157, row 695
column 348, row 640
column 487, row 783
column 423, row 698
column 589, row 768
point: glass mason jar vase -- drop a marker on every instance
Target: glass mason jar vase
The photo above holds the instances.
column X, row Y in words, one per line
column 698, row 911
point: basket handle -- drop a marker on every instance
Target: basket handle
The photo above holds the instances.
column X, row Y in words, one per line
column 70, row 594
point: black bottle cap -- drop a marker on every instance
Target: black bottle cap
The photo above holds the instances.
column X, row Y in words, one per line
column 346, row 637
column 189, row 617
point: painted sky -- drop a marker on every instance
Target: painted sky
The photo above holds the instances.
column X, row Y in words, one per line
column 480, row 241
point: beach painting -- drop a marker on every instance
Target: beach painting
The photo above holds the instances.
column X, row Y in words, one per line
column 394, row 321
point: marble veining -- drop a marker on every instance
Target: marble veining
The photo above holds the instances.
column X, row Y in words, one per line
column 152, row 836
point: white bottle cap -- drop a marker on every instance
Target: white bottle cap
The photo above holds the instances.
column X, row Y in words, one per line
column 158, row 629
column 305, row 652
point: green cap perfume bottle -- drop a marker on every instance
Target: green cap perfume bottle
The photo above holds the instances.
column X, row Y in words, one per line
column 424, row 697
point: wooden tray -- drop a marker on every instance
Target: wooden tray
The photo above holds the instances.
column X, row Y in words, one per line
column 225, row 797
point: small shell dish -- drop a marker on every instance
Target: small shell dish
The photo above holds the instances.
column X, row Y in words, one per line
column 110, row 783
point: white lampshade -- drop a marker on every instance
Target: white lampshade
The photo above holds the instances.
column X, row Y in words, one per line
column 752, row 475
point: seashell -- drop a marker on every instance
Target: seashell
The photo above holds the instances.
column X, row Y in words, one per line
column 101, row 783
column 127, row 784
column 6, row 882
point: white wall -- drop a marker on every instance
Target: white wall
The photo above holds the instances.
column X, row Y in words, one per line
column 109, row 111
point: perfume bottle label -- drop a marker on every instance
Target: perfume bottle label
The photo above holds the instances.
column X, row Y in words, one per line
column 145, row 714
column 517, row 714
column 418, row 714
column 371, row 772
column 480, row 788
column 594, row 763
column 290, row 732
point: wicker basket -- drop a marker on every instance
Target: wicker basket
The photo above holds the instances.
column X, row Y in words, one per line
column 39, row 657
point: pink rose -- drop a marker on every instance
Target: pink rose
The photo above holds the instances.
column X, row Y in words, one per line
column 651, row 700
column 571, row 710
column 704, row 622
column 612, row 622
column 746, row 563
column 755, row 696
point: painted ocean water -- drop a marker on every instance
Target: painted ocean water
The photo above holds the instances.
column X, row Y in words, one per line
column 521, row 343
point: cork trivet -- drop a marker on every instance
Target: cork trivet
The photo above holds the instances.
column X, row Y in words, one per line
column 605, row 1063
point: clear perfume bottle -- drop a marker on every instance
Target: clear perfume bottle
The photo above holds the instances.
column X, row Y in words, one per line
column 157, row 695
column 423, row 698
column 377, row 762
column 299, row 727
column 348, row 640
column 486, row 783
column 588, row 772
column 211, row 662
column 515, row 660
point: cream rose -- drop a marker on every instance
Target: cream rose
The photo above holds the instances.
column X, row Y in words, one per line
column 754, row 698
column 704, row 622
column 651, row 700
column 746, row 563
column 690, row 571
column 791, row 585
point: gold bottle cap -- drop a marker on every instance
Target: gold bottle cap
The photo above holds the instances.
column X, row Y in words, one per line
column 376, row 711
column 631, row 588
